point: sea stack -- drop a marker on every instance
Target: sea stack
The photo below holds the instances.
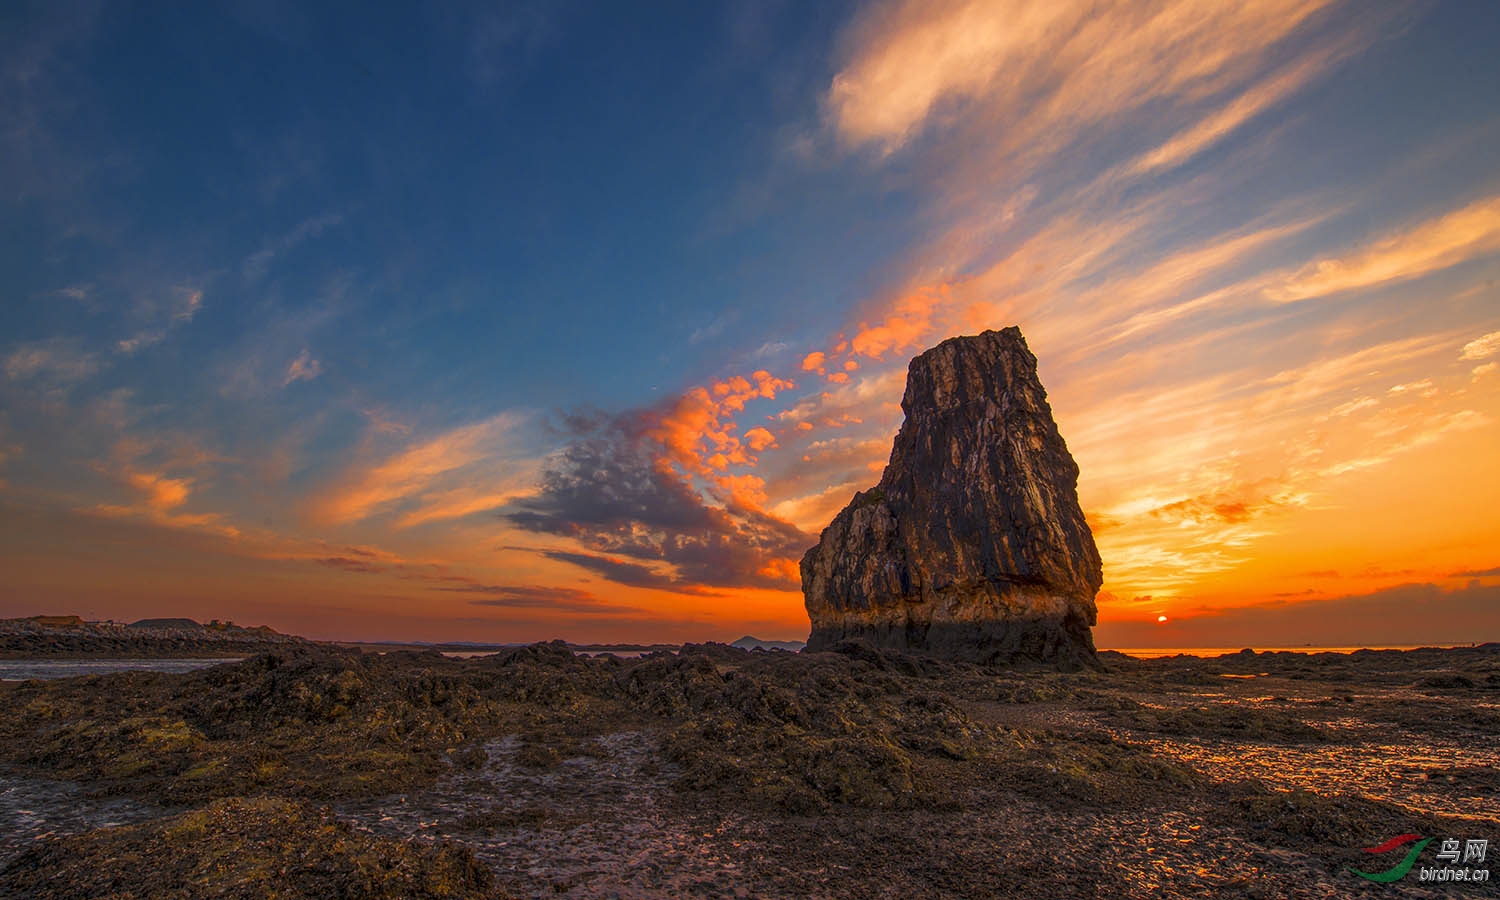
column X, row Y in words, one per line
column 973, row 545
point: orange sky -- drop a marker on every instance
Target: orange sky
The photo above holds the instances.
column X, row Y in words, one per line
column 1271, row 342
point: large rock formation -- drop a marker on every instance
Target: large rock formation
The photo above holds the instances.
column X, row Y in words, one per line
column 973, row 545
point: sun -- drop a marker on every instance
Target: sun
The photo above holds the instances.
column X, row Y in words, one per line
column 1160, row 619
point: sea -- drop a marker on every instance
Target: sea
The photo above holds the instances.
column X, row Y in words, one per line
column 1159, row 652
column 46, row 669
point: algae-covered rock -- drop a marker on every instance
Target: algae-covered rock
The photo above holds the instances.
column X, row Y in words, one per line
column 244, row 850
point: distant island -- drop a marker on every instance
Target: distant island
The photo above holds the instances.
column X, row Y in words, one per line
column 754, row 643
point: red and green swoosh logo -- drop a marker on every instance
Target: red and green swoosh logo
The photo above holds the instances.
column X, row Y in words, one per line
column 1401, row 868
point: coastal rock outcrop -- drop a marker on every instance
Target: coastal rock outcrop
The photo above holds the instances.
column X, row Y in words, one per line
column 973, row 545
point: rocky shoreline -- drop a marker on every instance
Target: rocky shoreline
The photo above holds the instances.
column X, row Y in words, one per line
column 41, row 637
column 717, row 772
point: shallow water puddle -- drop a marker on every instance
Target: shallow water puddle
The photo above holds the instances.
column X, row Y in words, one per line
column 34, row 808
column 1394, row 772
column 48, row 669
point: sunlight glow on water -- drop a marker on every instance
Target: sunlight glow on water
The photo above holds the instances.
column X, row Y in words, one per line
column 1159, row 652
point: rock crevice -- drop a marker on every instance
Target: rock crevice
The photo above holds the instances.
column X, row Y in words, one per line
column 973, row 545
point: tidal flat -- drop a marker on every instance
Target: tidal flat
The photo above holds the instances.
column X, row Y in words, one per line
column 714, row 772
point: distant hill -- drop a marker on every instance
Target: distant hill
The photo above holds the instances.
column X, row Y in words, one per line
column 754, row 643
column 165, row 623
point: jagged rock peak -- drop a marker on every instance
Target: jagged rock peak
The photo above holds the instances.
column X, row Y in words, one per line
column 973, row 545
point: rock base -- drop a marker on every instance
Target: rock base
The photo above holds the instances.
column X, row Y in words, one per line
column 1065, row 645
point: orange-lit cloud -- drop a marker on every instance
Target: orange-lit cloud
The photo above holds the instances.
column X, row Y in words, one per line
column 1455, row 237
column 759, row 439
column 743, row 491
column 213, row 524
column 1044, row 64
column 697, row 429
column 1482, row 347
column 905, row 325
column 877, row 391
column 458, row 502
column 812, row 512
column 162, row 493
column 418, row 477
column 830, row 472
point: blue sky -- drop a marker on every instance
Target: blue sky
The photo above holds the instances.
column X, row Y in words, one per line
column 349, row 309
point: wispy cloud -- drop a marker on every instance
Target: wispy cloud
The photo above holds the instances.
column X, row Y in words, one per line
column 37, row 102
column 1048, row 66
column 531, row 596
column 1319, row 379
column 418, row 480
column 303, row 368
column 989, row 94
column 56, row 361
column 503, row 40
column 259, row 364
column 362, row 562
column 170, row 315
column 1482, row 347
column 80, row 292
column 213, row 524
column 629, row 574
column 492, row 493
column 712, row 329
column 1225, row 118
column 1468, row 233
column 259, row 262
